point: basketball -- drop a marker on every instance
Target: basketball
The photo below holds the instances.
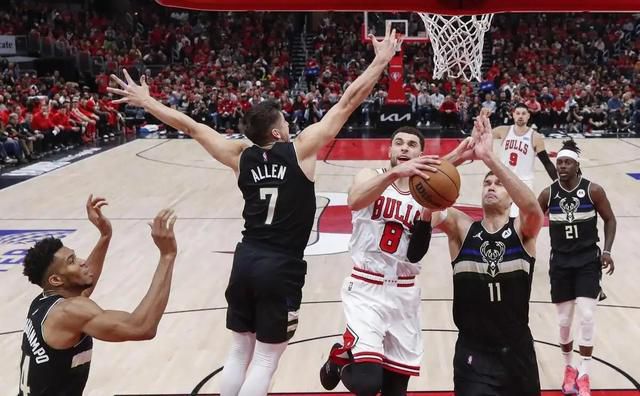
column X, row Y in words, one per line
column 440, row 191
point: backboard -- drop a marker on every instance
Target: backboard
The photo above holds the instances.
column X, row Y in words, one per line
column 408, row 24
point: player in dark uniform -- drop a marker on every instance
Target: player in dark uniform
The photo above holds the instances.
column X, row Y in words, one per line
column 492, row 262
column 276, row 179
column 576, row 263
column 57, row 340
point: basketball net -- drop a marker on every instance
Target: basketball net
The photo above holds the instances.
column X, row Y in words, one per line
column 457, row 43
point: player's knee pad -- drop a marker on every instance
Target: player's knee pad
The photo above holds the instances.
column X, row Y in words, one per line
column 363, row 379
column 268, row 355
column 586, row 308
column 242, row 345
column 565, row 318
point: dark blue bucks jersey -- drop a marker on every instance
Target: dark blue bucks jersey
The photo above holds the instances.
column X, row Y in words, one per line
column 45, row 371
column 491, row 287
column 573, row 224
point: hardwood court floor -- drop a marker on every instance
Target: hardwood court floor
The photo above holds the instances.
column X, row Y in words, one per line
column 143, row 176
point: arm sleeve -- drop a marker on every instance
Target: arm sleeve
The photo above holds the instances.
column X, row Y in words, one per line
column 419, row 242
column 548, row 165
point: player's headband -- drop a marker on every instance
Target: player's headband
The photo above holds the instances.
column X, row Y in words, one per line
column 568, row 154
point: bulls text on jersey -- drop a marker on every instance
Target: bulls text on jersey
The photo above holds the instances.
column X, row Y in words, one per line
column 392, row 209
column 518, row 145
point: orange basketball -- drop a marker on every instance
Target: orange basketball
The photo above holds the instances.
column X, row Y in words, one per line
column 440, row 191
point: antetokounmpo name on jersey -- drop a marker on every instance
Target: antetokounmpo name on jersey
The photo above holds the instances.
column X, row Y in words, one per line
column 268, row 171
column 38, row 351
column 393, row 209
column 518, row 145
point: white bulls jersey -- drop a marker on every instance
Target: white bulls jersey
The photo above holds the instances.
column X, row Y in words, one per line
column 381, row 233
column 517, row 153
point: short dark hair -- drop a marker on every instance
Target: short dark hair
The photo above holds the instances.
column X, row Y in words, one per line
column 520, row 106
column 39, row 258
column 410, row 131
column 259, row 120
column 571, row 146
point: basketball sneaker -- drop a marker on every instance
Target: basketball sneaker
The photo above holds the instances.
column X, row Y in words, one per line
column 330, row 371
column 584, row 387
column 569, row 386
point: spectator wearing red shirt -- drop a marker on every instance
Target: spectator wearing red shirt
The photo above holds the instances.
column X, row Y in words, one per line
column 558, row 115
column 449, row 113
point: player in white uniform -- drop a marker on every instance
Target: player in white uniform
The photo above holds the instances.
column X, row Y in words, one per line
column 519, row 146
column 382, row 345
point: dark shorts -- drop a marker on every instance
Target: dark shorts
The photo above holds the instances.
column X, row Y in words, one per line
column 568, row 283
column 507, row 372
column 264, row 293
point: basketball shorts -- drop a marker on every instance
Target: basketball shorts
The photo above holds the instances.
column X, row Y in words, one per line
column 515, row 211
column 264, row 293
column 508, row 371
column 383, row 322
column 568, row 283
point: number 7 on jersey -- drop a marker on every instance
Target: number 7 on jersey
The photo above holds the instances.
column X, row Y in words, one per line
column 270, row 194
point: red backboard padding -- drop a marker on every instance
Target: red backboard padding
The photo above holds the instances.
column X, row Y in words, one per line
column 450, row 7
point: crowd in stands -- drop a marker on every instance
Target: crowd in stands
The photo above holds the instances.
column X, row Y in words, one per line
column 575, row 72
column 43, row 115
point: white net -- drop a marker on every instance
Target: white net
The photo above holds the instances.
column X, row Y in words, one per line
column 457, row 43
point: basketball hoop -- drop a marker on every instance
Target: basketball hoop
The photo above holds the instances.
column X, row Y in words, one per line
column 457, row 43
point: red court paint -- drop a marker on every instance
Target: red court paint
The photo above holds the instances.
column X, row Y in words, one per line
column 376, row 149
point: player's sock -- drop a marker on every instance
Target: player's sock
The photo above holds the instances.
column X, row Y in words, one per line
column 263, row 365
column 585, row 364
column 238, row 359
column 568, row 358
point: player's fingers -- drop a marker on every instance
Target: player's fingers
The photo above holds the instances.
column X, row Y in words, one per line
column 143, row 80
column 172, row 221
column 427, row 168
column 118, row 81
column 117, row 91
column 118, row 101
column 89, row 200
column 127, row 77
column 421, row 174
column 100, row 205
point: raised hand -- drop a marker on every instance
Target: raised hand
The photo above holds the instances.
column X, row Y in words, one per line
column 483, row 139
column 95, row 216
column 162, row 232
column 131, row 93
column 386, row 49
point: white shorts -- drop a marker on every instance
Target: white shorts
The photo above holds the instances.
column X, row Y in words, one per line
column 383, row 322
column 515, row 211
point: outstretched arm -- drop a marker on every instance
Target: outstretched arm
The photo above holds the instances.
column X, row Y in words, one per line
column 541, row 152
column 81, row 315
column 226, row 151
column 314, row 137
column 95, row 261
column 531, row 216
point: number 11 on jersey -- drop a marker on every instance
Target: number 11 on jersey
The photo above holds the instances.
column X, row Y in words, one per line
column 270, row 194
column 494, row 295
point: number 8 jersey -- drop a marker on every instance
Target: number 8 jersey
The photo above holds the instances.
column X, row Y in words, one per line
column 381, row 233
